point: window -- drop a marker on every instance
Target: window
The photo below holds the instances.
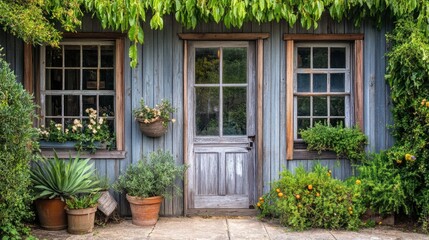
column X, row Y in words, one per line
column 80, row 75
column 324, row 83
column 321, row 85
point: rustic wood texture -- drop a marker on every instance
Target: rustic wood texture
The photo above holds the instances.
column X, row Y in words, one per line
column 223, row 36
column 119, row 76
column 221, row 212
column 358, row 84
column 28, row 68
column 323, row 37
column 289, row 99
column 260, row 112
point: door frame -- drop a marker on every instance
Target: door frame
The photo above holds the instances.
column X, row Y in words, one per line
column 259, row 40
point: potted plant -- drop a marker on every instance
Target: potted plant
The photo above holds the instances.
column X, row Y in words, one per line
column 81, row 213
column 146, row 183
column 153, row 121
column 55, row 180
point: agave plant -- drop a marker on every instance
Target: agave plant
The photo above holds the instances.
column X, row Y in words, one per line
column 60, row 178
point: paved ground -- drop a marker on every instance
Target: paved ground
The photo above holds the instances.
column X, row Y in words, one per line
column 221, row 228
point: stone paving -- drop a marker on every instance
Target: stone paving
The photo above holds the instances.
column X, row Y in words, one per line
column 222, row 228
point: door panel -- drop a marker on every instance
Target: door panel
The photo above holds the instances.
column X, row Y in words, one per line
column 221, row 129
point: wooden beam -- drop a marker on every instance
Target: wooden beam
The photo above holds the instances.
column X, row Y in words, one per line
column 28, row 68
column 100, row 154
column 223, row 36
column 289, row 100
column 119, row 76
column 93, row 35
column 259, row 130
column 185, row 124
column 358, row 84
column 323, row 37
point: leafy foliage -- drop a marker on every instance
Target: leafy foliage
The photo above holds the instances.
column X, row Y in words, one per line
column 150, row 176
column 59, row 178
column 408, row 77
column 83, row 201
column 313, row 200
column 16, row 134
column 345, row 142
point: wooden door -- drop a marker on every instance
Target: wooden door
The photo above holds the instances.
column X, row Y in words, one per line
column 221, row 132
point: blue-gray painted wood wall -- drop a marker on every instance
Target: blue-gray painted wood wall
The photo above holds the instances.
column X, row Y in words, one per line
column 159, row 74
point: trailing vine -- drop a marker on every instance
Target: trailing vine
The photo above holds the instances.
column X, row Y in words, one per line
column 128, row 15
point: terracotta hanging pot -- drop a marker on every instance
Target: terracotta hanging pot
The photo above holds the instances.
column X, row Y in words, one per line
column 145, row 211
column 81, row 221
column 52, row 215
column 155, row 129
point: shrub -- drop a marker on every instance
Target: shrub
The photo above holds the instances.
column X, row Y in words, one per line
column 345, row 142
column 16, row 133
column 313, row 200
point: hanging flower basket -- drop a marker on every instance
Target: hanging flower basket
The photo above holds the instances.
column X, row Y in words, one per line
column 154, row 129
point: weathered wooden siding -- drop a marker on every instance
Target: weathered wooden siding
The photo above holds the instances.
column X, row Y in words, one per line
column 160, row 75
column 13, row 49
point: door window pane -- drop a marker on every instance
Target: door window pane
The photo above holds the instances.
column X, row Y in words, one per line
column 234, row 111
column 234, row 65
column 207, row 65
column 338, row 57
column 207, row 111
column 320, row 57
column 320, row 83
column 304, row 59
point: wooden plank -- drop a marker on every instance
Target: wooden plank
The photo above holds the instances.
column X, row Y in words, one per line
column 28, row 68
column 289, row 99
column 185, row 125
column 119, row 76
column 323, row 37
column 259, row 120
column 308, row 155
column 230, row 201
column 222, row 212
column 358, row 87
column 223, row 36
column 100, row 154
column 95, row 35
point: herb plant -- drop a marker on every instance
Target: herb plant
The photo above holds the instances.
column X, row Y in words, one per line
column 83, row 201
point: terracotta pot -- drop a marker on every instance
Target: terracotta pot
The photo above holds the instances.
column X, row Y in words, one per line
column 52, row 215
column 145, row 211
column 155, row 129
column 81, row 221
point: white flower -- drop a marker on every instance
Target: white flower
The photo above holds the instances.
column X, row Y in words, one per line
column 74, row 128
column 76, row 122
column 100, row 121
column 89, row 126
column 66, row 131
column 98, row 127
column 173, row 120
column 94, row 131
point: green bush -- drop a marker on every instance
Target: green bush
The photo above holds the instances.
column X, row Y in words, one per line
column 16, row 134
column 313, row 200
column 345, row 142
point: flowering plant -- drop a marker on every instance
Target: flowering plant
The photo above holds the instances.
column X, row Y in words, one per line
column 87, row 134
column 161, row 112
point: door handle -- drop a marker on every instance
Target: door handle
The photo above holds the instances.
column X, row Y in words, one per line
column 250, row 143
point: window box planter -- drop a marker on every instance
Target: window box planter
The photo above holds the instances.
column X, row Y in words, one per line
column 68, row 145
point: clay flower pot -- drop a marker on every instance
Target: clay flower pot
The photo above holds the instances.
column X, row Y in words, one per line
column 52, row 215
column 145, row 211
column 155, row 129
column 81, row 221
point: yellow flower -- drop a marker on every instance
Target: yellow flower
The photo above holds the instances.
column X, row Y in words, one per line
column 358, row 182
column 427, row 104
column 280, row 194
column 409, row 157
column 258, row 204
column 278, row 190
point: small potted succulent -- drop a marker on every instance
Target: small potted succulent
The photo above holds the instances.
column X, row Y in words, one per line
column 55, row 180
column 81, row 210
column 146, row 183
column 154, row 121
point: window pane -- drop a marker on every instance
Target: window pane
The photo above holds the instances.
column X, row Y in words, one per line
column 303, row 123
column 106, row 79
column 235, row 65
column 320, row 57
column 323, row 121
column 337, row 106
column 107, row 106
column 71, row 105
column 90, row 56
column 54, row 79
column 338, row 57
column 207, row 111
column 207, row 65
column 88, row 102
column 54, row 57
column 234, row 111
column 303, row 106
column 320, row 83
column 303, row 82
column 72, row 79
column 49, row 120
column 53, row 105
column 72, row 56
column 304, row 57
column 107, row 56
column 337, row 121
column 337, row 82
column 89, row 79
column 320, row 106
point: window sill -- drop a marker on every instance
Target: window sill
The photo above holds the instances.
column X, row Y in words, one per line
column 303, row 154
column 99, row 154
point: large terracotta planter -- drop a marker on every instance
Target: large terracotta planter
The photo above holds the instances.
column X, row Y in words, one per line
column 81, row 221
column 155, row 129
column 145, row 211
column 52, row 215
